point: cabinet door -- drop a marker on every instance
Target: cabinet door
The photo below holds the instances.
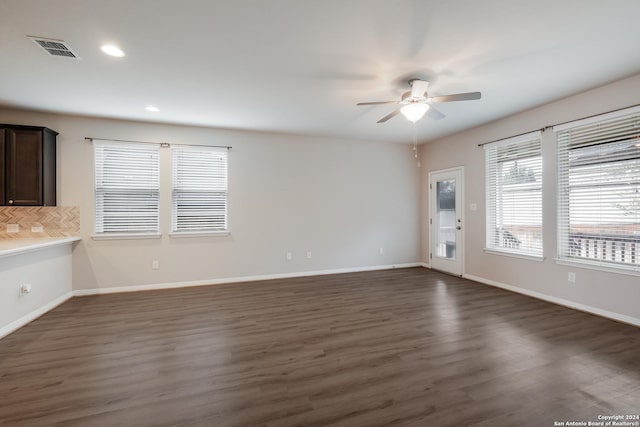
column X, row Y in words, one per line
column 3, row 201
column 23, row 153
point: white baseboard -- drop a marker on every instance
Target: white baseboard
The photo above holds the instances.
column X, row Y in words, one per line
column 30, row 317
column 560, row 301
column 171, row 285
column 425, row 265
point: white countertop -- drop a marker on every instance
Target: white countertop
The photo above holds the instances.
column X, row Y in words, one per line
column 10, row 247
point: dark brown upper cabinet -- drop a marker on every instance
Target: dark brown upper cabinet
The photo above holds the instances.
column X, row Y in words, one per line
column 27, row 166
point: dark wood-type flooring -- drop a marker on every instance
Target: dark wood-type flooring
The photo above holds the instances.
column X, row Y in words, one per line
column 407, row 347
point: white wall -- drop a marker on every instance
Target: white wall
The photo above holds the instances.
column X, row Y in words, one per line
column 48, row 271
column 611, row 292
column 341, row 200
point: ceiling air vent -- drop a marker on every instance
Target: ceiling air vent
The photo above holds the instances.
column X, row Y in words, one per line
column 55, row 47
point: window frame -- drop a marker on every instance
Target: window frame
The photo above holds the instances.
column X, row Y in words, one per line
column 520, row 147
column 605, row 130
column 217, row 178
column 124, row 150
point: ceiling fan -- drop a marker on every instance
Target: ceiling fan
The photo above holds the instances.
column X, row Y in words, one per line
column 415, row 103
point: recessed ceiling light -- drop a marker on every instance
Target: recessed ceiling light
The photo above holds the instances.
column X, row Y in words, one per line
column 152, row 108
column 112, row 50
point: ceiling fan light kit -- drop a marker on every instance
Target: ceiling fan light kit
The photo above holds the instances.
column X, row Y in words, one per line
column 416, row 102
column 414, row 111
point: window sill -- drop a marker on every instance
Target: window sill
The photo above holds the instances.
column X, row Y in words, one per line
column 514, row 255
column 183, row 234
column 589, row 265
column 126, row 236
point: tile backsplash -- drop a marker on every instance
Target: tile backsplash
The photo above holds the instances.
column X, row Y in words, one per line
column 39, row 221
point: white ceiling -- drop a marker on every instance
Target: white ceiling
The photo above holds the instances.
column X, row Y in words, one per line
column 300, row 66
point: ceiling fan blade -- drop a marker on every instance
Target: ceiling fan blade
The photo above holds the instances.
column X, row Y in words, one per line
column 418, row 88
column 468, row 96
column 435, row 114
column 377, row 103
column 389, row 116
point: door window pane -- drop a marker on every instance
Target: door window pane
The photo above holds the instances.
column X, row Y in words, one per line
column 446, row 218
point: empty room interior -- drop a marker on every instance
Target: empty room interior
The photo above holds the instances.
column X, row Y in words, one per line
column 314, row 213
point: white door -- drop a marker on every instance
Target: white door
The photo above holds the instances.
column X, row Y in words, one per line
column 446, row 222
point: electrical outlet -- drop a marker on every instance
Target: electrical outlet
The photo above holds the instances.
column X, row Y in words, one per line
column 308, row 254
column 13, row 228
column 155, row 264
column 381, row 251
column 289, row 256
column 25, row 288
column 37, row 229
column 571, row 277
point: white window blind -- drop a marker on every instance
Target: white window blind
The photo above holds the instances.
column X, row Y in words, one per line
column 514, row 195
column 599, row 190
column 127, row 182
column 199, row 189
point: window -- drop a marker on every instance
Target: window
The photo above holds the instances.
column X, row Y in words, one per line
column 514, row 195
column 199, row 189
column 599, row 190
column 127, row 182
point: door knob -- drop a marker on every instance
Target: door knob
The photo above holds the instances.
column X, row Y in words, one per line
column 10, row 202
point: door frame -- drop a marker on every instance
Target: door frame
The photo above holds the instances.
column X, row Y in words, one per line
column 431, row 213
